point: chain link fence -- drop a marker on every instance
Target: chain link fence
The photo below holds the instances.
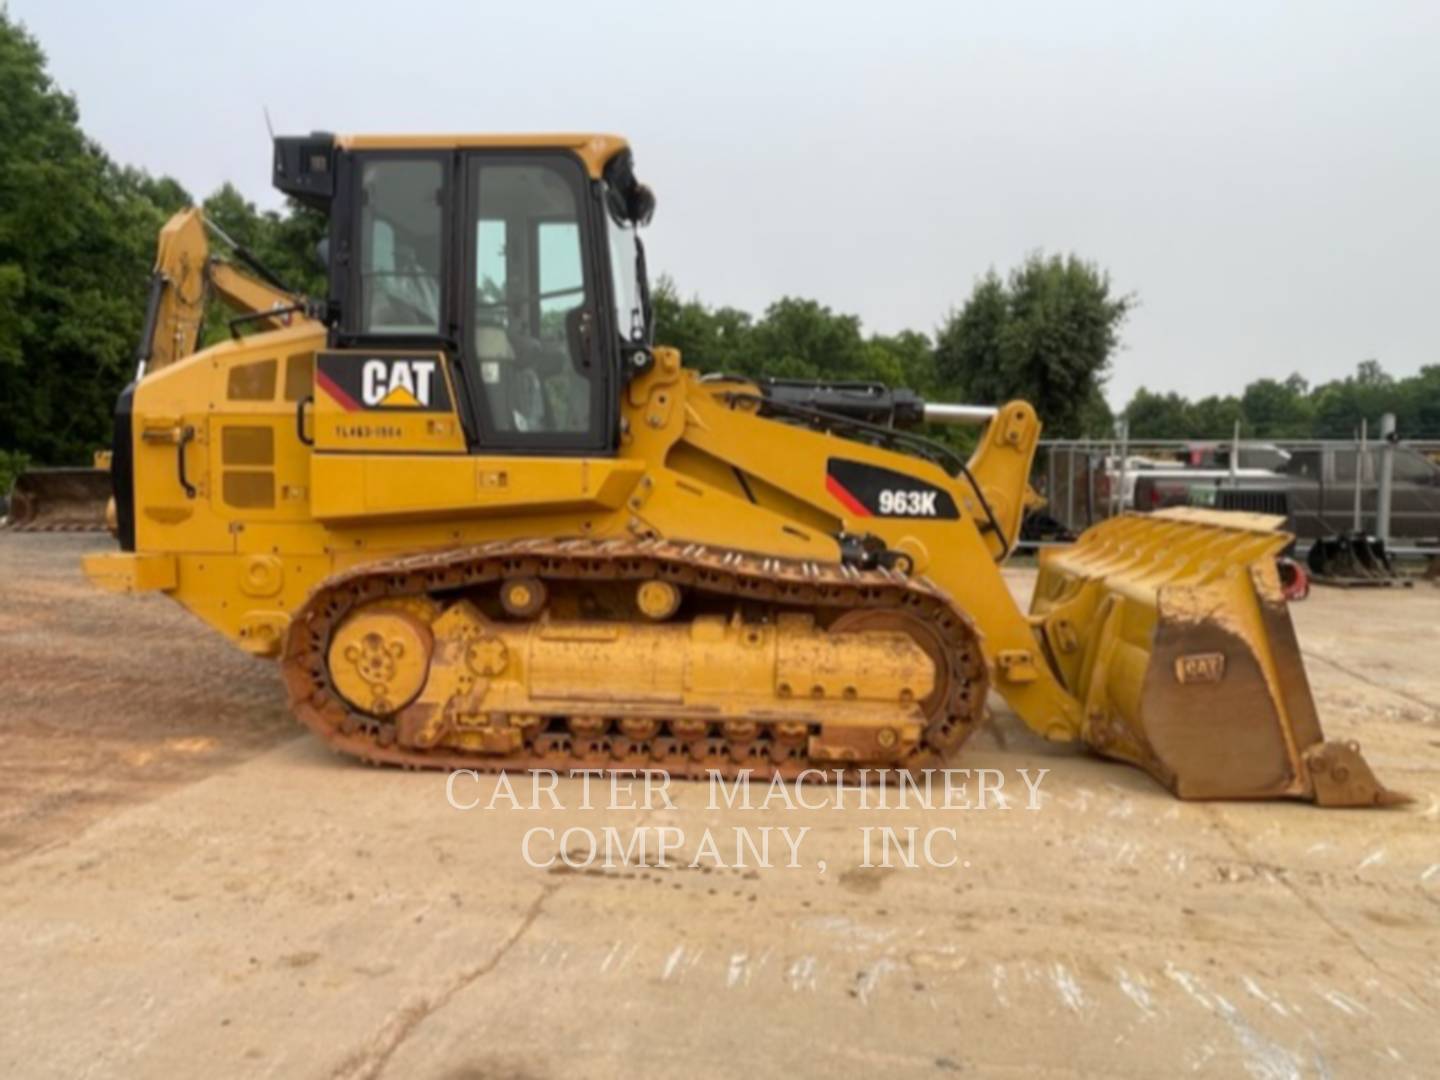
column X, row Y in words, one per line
column 1389, row 488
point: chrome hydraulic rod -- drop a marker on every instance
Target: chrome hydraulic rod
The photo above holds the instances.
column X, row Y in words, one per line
column 959, row 414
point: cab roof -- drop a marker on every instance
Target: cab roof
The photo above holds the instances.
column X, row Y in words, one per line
column 594, row 150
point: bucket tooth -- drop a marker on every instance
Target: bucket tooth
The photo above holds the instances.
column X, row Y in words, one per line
column 1173, row 630
column 1343, row 778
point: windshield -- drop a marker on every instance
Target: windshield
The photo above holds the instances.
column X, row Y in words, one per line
column 627, row 270
column 400, row 240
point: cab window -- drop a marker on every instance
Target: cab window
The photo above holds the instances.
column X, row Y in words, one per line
column 530, row 331
column 401, row 225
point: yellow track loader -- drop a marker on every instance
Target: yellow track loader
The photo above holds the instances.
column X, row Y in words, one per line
column 481, row 520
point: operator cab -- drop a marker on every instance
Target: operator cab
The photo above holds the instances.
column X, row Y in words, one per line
column 516, row 259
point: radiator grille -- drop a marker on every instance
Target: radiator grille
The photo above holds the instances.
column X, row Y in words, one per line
column 299, row 375
column 247, row 453
column 248, row 445
column 249, row 490
column 252, row 382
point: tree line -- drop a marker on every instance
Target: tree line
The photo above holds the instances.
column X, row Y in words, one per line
column 1293, row 409
column 77, row 241
column 1044, row 332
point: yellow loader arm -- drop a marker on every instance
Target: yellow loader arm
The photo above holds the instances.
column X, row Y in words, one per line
column 185, row 277
column 1163, row 640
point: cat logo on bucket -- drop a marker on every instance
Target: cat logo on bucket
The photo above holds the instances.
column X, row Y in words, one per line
column 1200, row 667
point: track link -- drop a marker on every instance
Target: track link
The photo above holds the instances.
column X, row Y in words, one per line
column 947, row 634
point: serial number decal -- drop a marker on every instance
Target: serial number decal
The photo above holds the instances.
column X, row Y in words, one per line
column 1200, row 668
column 369, row 431
column 872, row 491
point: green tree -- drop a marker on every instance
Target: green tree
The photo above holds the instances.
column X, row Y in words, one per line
column 1046, row 334
column 974, row 342
column 1215, row 417
column 709, row 340
column 1338, row 407
column 1294, row 409
column 1420, row 413
column 803, row 339
column 1277, row 410
column 77, row 239
column 1097, row 420
column 906, row 359
column 1173, row 416
column 794, row 339
column 1158, row 416
column 284, row 243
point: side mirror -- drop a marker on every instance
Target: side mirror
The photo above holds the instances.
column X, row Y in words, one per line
column 322, row 254
column 640, row 203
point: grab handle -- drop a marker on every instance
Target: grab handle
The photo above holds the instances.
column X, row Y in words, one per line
column 308, row 399
column 187, row 436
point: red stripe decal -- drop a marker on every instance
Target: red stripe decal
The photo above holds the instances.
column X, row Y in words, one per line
column 854, row 505
column 330, row 387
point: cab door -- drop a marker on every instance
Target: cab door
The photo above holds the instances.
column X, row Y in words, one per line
column 467, row 375
column 533, row 297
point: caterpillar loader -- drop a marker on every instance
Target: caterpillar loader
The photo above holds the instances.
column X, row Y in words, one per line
column 481, row 520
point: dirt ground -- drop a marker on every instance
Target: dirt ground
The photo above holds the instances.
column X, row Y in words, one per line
column 108, row 701
column 187, row 882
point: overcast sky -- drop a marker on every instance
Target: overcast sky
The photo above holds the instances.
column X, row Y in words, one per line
column 1265, row 177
